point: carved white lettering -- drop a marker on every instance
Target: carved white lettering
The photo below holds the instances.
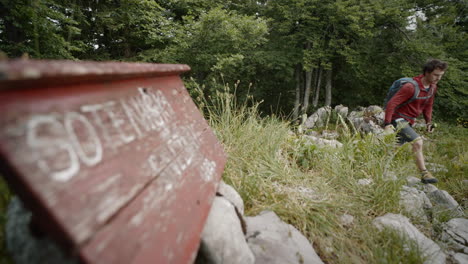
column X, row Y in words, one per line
column 207, row 170
column 93, row 109
column 85, row 136
column 117, row 123
column 130, row 116
column 51, row 143
column 93, row 144
column 161, row 108
column 138, row 111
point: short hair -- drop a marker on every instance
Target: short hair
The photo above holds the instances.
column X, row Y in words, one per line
column 433, row 64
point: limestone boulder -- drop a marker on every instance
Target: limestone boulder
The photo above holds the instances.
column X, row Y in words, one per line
column 342, row 111
column 455, row 233
column 415, row 203
column 319, row 118
column 230, row 194
column 401, row 224
column 276, row 242
column 460, row 258
column 443, row 202
column 321, row 142
column 223, row 240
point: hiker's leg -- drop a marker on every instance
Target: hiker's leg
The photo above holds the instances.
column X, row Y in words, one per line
column 418, row 153
column 426, row 176
column 405, row 134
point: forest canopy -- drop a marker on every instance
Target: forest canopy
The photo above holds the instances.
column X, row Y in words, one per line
column 295, row 55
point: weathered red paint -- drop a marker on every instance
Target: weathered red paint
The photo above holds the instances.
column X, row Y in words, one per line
column 114, row 159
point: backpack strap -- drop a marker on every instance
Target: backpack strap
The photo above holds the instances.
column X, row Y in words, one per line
column 415, row 94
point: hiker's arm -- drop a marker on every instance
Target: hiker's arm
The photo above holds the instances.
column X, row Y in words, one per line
column 427, row 111
column 403, row 95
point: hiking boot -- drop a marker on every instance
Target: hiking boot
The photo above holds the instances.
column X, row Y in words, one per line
column 426, row 177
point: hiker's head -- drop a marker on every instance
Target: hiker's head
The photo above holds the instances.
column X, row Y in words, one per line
column 433, row 70
column 431, row 65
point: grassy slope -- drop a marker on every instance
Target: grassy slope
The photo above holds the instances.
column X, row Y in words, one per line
column 312, row 188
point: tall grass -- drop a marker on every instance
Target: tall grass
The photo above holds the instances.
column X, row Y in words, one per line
column 310, row 187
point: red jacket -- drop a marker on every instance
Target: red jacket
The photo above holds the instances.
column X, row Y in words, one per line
column 413, row 109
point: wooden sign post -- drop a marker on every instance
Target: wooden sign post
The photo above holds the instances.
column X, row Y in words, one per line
column 114, row 159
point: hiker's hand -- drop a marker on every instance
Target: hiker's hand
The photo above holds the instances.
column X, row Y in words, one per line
column 430, row 127
column 389, row 129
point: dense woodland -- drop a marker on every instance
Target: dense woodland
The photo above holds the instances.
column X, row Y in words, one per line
column 295, row 55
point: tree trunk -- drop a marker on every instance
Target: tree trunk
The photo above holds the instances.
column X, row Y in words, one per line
column 318, row 83
column 328, row 88
column 297, row 102
column 308, row 84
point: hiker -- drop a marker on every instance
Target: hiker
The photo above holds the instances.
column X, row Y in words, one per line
column 407, row 104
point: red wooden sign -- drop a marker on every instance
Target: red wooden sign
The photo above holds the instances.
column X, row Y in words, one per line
column 114, row 159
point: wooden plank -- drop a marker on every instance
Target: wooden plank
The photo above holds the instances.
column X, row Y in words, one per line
column 103, row 162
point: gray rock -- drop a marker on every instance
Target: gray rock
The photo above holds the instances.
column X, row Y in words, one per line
column 369, row 120
column 376, row 114
column 346, row 220
column 373, row 110
column 357, row 121
column 23, row 246
column 415, row 203
column 428, row 188
column 441, row 197
column 460, row 258
column 354, row 115
column 413, row 181
column 416, row 183
column 444, row 202
column 321, row 142
column 389, row 176
column 366, row 125
column 330, row 134
column 228, row 192
column 275, row 242
column 342, row 111
column 318, row 119
column 313, row 133
column 364, row 182
column 373, row 127
column 455, row 233
column 401, row 224
column 223, row 240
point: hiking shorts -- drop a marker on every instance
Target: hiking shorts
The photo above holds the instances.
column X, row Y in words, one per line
column 405, row 132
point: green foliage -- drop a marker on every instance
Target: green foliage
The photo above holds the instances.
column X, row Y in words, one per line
column 221, row 40
column 41, row 28
column 366, row 44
